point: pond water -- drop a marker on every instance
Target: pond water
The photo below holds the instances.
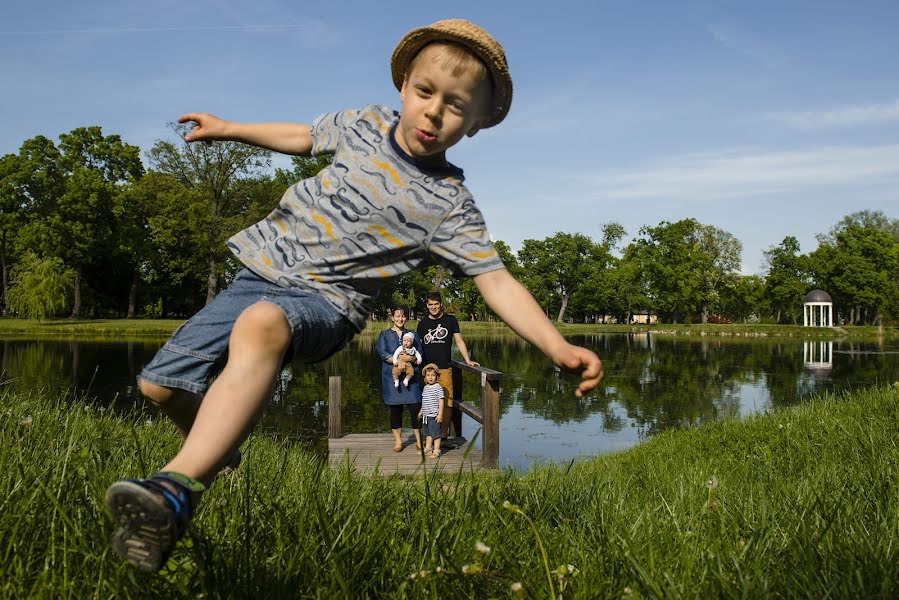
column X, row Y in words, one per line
column 652, row 383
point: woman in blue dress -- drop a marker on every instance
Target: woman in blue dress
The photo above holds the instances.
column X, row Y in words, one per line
column 400, row 398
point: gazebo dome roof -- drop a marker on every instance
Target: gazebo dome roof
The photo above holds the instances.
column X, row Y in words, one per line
column 818, row 296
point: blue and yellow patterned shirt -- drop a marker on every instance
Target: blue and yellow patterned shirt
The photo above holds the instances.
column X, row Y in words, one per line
column 373, row 214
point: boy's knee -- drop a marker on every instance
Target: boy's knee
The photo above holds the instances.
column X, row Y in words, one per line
column 157, row 394
column 265, row 323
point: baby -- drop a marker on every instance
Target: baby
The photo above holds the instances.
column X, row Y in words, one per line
column 403, row 358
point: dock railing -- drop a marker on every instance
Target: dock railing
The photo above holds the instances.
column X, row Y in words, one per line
column 487, row 415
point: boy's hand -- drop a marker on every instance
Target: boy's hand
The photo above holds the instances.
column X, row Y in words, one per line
column 580, row 361
column 439, row 417
column 206, row 127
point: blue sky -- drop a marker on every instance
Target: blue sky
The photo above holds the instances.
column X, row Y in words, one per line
column 765, row 119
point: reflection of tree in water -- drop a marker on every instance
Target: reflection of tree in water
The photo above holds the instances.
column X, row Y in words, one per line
column 653, row 382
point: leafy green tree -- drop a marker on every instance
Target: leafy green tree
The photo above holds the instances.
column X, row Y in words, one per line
column 11, row 217
column 670, row 256
column 40, row 287
column 220, row 205
column 74, row 221
column 860, row 268
column 786, row 281
column 745, row 299
column 719, row 263
column 557, row 267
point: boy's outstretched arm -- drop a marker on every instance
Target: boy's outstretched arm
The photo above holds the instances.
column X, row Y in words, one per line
column 287, row 138
column 517, row 308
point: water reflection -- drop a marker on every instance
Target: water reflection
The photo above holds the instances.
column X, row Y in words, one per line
column 651, row 384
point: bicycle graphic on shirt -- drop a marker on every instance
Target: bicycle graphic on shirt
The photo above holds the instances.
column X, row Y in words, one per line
column 438, row 333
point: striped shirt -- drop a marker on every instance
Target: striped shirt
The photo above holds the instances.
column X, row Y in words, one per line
column 430, row 399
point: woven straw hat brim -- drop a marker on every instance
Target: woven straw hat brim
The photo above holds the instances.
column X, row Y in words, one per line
column 472, row 37
column 425, row 368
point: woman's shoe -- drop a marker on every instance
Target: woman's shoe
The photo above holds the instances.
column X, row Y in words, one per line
column 398, row 448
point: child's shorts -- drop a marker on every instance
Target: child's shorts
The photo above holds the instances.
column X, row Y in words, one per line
column 199, row 347
column 430, row 427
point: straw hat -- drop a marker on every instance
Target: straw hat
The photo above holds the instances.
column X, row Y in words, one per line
column 478, row 41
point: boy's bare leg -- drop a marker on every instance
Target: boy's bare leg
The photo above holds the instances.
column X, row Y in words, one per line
column 258, row 341
column 178, row 405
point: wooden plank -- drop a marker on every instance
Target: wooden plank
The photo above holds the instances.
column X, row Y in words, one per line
column 483, row 372
column 490, row 425
column 373, row 453
column 334, row 419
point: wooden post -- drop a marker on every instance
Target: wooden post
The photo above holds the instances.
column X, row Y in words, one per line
column 334, row 406
column 490, row 438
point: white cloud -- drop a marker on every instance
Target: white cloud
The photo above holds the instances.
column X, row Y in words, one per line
column 840, row 117
column 747, row 173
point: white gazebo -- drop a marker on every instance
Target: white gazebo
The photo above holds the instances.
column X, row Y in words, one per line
column 818, row 309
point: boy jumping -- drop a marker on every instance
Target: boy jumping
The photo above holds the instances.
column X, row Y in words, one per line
column 389, row 203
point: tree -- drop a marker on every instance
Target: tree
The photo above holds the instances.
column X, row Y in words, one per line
column 719, row 263
column 213, row 171
column 560, row 265
column 71, row 203
column 745, row 299
column 859, row 265
column 11, row 216
column 786, row 281
column 40, row 287
column 669, row 254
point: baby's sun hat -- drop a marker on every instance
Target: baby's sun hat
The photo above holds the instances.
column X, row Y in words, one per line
column 409, row 335
column 478, row 41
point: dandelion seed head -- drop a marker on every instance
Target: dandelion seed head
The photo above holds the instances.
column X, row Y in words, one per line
column 516, row 587
column 482, row 548
column 27, row 421
column 628, row 591
column 712, row 483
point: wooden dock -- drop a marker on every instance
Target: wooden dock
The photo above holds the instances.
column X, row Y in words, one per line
column 370, row 453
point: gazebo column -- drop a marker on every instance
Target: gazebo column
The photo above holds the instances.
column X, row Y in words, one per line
column 830, row 315
column 805, row 315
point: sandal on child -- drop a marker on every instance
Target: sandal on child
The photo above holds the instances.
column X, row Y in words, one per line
column 435, row 454
column 152, row 515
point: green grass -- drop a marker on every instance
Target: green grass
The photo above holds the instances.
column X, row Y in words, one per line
column 801, row 503
column 142, row 328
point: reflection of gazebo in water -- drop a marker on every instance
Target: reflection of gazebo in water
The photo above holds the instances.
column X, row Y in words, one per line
column 817, row 355
column 818, row 309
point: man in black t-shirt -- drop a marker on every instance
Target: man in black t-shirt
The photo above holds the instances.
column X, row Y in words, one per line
column 437, row 332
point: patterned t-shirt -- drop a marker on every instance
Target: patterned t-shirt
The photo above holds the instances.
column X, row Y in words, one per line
column 372, row 215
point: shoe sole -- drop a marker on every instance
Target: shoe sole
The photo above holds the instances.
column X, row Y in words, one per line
column 146, row 531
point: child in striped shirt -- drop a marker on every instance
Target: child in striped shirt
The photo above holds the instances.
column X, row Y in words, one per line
column 431, row 412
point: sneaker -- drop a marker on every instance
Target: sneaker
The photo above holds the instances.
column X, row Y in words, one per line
column 152, row 515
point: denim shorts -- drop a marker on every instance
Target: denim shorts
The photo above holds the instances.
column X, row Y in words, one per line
column 198, row 349
column 430, row 427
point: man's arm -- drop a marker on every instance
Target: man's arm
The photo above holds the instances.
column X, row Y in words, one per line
column 287, row 138
column 463, row 350
column 517, row 308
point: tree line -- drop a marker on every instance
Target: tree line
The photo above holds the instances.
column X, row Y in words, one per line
column 88, row 230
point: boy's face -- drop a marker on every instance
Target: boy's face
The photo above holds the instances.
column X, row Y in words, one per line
column 430, row 377
column 439, row 108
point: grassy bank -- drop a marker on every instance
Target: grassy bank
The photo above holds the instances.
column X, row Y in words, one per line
column 801, row 503
column 161, row 328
